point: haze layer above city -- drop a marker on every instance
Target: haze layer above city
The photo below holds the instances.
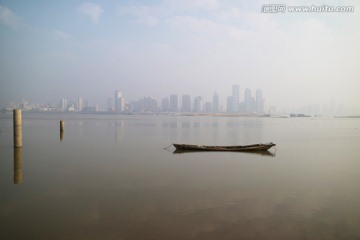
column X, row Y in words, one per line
column 52, row 50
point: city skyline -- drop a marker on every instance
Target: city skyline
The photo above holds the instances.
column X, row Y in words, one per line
column 74, row 48
column 248, row 103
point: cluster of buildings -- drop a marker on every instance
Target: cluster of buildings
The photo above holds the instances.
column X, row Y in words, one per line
column 249, row 104
column 78, row 105
column 63, row 105
column 72, row 106
column 175, row 104
column 245, row 102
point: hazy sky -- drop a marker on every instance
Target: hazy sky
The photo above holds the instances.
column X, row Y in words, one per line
column 53, row 49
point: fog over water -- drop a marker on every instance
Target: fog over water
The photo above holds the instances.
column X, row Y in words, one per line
column 67, row 49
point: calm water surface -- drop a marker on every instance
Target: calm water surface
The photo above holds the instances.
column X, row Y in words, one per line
column 110, row 178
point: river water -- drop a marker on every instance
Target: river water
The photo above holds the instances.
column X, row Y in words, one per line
column 109, row 177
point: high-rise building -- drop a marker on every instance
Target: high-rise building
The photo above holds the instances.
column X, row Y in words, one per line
column 173, row 103
column 150, row 104
column 198, row 104
column 208, row 107
column 186, row 103
column 229, row 104
column 165, row 105
column 119, row 102
column 216, row 104
column 235, row 98
column 145, row 105
column 247, row 100
column 110, row 105
column 80, row 104
column 63, row 104
column 259, row 102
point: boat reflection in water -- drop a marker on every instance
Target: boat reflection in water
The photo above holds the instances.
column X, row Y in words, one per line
column 263, row 152
column 18, row 166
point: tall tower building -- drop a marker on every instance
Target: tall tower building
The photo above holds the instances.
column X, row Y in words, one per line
column 235, row 98
column 110, row 105
column 80, row 104
column 198, row 104
column 63, row 104
column 247, row 100
column 173, row 103
column 165, row 105
column 119, row 102
column 216, row 105
column 208, row 107
column 186, row 103
column 229, row 103
column 259, row 101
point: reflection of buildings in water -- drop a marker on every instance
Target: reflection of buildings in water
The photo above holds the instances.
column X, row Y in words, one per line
column 185, row 124
column 186, row 132
column 215, row 133
column 18, row 165
column 118, row 132
column 245, row 131
column 174, row 130
column 173, row 125
column 61, row 135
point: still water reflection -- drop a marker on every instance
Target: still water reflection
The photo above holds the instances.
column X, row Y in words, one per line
column 110, row 178
column 61, row 135
column 18, row 166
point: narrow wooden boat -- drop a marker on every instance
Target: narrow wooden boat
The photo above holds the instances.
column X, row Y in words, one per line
column 253, row 147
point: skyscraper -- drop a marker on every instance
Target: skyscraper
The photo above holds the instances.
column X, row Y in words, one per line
column 235, row 98
column 147, row 104
column 63, row 104
column 173, row 103
column 216, row 105
column 247, row 100
column 229, row 103
column 110, row 105
column 186, row 103
column 119, row 102
column 80, row 104
column 165, row 105
column 208, row 107
column 198, row 104
column 259, row 101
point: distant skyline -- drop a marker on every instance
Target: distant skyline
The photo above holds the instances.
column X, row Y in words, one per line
column 51, row 50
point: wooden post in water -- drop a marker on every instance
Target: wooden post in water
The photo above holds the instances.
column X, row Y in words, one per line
column 62, row 125
column 18, row 166
column 17, row 119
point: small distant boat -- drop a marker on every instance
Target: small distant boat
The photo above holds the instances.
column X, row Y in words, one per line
column 244, row 148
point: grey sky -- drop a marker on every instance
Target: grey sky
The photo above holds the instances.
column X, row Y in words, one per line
column 55, row 49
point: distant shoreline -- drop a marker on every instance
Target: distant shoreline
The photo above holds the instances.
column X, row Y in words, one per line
column 347, row 116
column 178, row 114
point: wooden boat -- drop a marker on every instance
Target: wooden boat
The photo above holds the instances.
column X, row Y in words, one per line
column 244, row 148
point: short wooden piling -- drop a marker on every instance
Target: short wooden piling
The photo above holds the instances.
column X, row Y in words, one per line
column 17, row 119
column 18, row 176
column 62, row 125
